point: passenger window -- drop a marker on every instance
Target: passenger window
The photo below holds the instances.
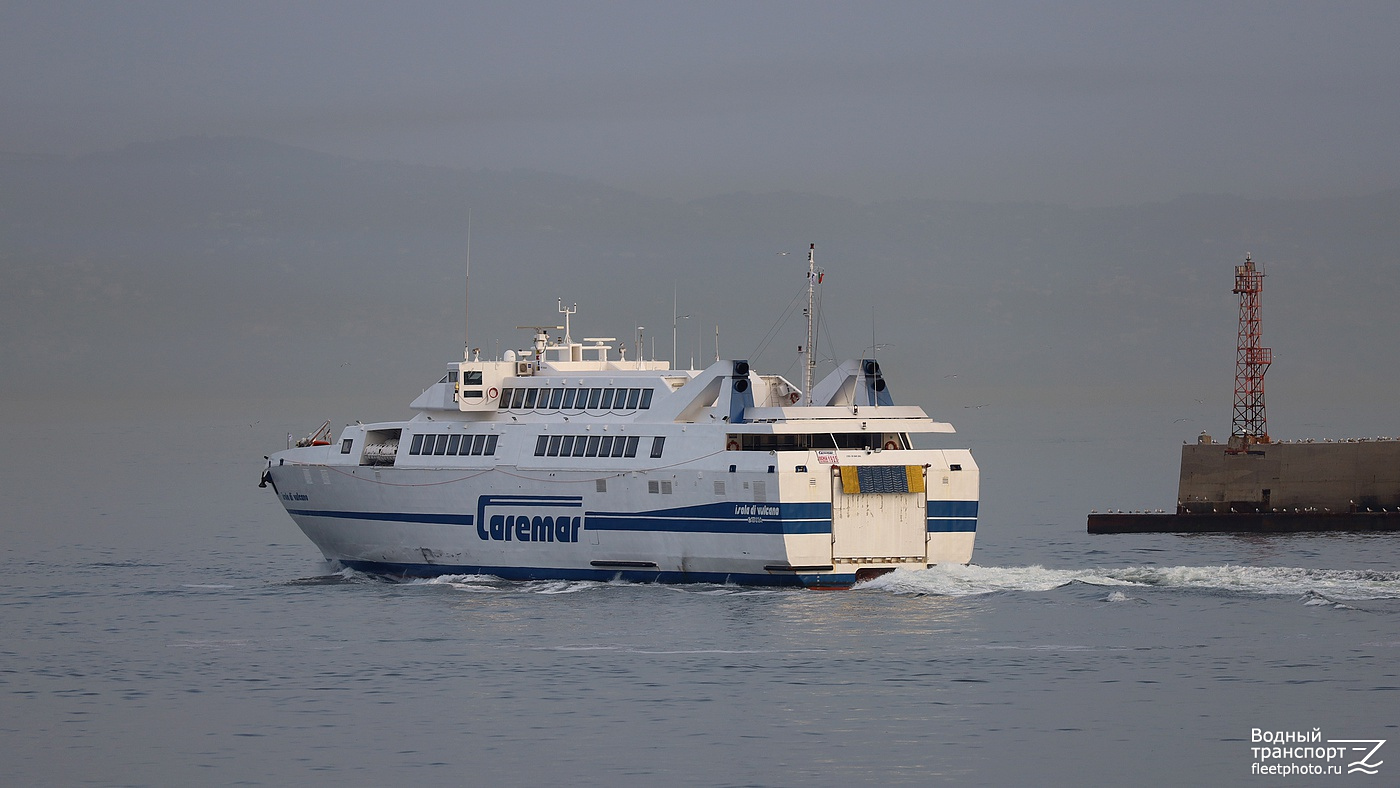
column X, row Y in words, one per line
column 540, row 444
column 579, row 443
column 646, row 398
column 592, row 446
column 517, row 398
column 505, row 399
column 656, row 444
column 567, row 447
column 605, row 448
column 632, row 441
column 417, row 447
column 553, row 446
column 556, row 398
column 452, row 443
column 619, row 444
column 593, row 396
column 530, row 395
column 633, row 395
column 569, row 395
column 441, row 447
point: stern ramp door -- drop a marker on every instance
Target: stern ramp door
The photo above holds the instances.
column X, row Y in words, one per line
column 879, row 513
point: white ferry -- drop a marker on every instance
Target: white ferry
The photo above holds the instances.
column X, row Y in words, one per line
column 562, row 461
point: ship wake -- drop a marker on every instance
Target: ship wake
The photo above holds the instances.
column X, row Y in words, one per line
column 1329, row 584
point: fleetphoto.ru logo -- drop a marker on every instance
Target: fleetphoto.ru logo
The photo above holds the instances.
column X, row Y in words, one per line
column 1286, row 753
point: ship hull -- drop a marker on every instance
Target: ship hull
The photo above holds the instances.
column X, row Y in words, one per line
column 431, row 522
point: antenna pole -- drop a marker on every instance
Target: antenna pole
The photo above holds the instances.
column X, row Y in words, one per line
column 466, row 288
column 568, row 338
column 810, row 360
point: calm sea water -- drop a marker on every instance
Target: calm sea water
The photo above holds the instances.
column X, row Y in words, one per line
column 164, row 623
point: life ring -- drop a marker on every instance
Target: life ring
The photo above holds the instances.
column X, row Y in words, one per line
column 732, row 445
column 493, row 393
column 794, row 397
column 890, row 444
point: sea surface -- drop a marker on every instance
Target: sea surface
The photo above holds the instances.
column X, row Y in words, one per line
column 162, row 622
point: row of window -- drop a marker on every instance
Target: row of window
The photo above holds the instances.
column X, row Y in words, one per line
column 820, row 440
column 576, row 399
column 593, row 446
column 461, row 445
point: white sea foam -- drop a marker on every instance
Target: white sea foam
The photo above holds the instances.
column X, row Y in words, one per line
column 972, row 580
column 631, row 649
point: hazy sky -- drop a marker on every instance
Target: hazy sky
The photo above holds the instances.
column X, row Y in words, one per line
column 1085, row 103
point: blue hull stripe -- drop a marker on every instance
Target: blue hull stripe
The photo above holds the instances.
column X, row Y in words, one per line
column 602, row 522
column 951, row 525
column 952, row 509
column 394, row 517
column 790, row 518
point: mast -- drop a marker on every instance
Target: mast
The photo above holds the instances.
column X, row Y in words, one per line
column 466, row 288
column 810, row 360
column 567, row 313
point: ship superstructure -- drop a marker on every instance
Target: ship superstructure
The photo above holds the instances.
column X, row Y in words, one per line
column 563, row 461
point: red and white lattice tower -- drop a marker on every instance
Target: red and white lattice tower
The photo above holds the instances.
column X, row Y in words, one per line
column 1251, row 361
